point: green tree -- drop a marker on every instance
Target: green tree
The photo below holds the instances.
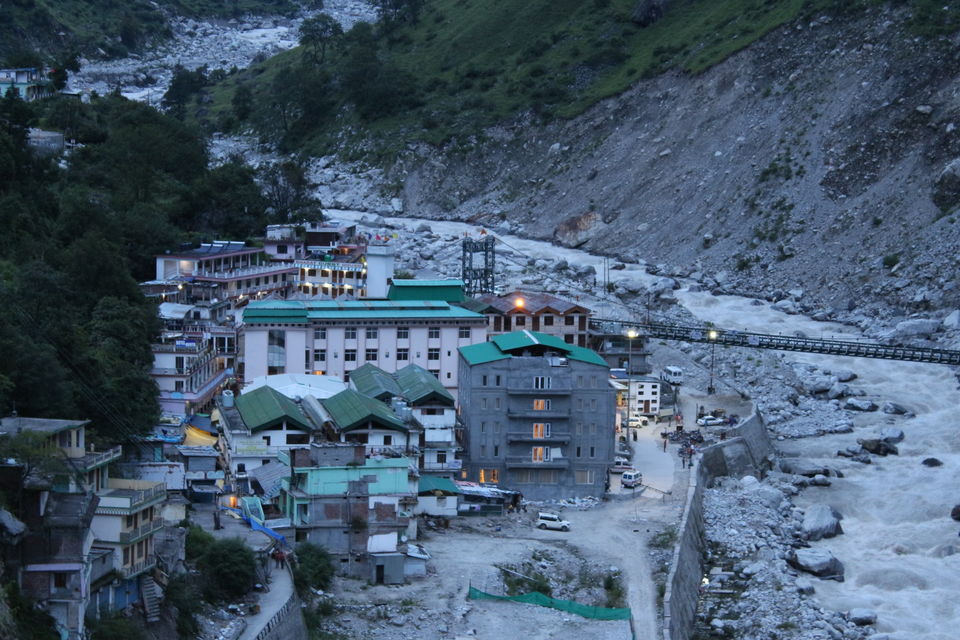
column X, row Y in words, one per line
column 314, row 568
column 115, row 627
column 35, row 458
column 317, row 33
column 242, row 102
column 227, row 200
column 396, row 11
column 183, row 86
column 229, row 569
column 288, row 191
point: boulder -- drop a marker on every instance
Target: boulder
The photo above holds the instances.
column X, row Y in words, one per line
column 821, row 521
column 805, row 587
column 838, row 390
column 915, row 328
column 819, row 481
column 819, row 562
column 862, row 617
column 894, row 409
column 787, row 306
column 878, row 447
column 845, row 375
column 423, row 227
column 946, row 188
column 818, row 384
column 804, row 468
column 931, row 462
column 891, row 435
column 952, row 321
column 955, row 513
column 859, row 404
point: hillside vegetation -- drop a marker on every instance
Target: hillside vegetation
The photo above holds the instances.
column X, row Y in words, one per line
column 456, row 66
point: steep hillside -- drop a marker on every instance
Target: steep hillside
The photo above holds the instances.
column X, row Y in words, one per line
column 806, row 161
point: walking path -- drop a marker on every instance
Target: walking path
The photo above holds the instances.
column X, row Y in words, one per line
column 281, row 588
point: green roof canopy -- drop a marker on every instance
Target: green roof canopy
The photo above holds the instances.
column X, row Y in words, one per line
column 419, row 385
column 435, row 483
column 352, row 410
column 373, row 381
column 445, row 290
column 513, row 344
column 264, row 408
column 303, row 311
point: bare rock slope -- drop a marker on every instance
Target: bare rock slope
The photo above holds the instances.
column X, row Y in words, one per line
column 822, row 157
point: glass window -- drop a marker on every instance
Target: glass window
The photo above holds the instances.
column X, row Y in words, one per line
column 584, row 476
column 403, row 354
column 320, row 355
column 403, row 333
column 490, row 475
column 541, row 382
column 372, row 332
column 464, row 332
column 519, row 321
column 371, row 355
column 320, row 333
column 568, row 320
column 350, row 333
column 548, row 321
column 433, row 332
column 350, row 355
column 433, row 354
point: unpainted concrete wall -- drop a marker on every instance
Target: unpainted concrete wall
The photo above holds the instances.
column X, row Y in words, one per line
column 287, row 624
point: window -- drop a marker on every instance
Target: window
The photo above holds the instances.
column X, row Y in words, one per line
column 403, row 354
column 541, row 429
column 593, row 381
column 593, row 404
column 387, row 440
column 433, row 354
column 178, row 385
column 483, row 427
column 126, row 556
column 584, row 476
column 441, row 457
column 483, row 403
column 496, row 403
column 548, row 321
column 580, row 404
column 483, row 381
column 547, row 476
column 523, row 476
column 497, row 383
column 578, row 452
column 519, row 321
column 372, row 332
column 435, row 372
column 350, row 355
column 433, row 332
column 490, row 475
column 568, row 320
column 540, row 454
column 496, row 451
column 281, row 248
column 593, row 452
column 464, row 332
column 580, row 381
column 593, row 428
column 320, row 355
column 579, row 428
column 541, row 382
column 371, row 355
column 403, row 333
column 298, row 438
column 350, row 333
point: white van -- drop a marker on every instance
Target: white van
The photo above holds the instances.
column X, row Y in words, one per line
column 671, row 374
column 631, row 479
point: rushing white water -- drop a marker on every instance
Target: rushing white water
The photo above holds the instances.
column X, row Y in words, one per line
column 896, row 511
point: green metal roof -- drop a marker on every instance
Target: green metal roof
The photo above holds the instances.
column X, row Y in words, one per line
column 504, row 346
column 446, row 290
column 301, row 311
column 351, row 410
column 373, row 381
column 482, row 353
column 436, row 483
column 264, row 408
column 419, row 385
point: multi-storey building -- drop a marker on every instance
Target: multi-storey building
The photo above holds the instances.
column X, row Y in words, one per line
column 28, row 83
column 333, row 337
column 355, row 506
column 539, row 415
column 534, row 311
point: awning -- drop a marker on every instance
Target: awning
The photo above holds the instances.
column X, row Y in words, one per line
column 194, row 437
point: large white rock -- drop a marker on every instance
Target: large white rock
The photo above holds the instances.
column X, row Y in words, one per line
column 859, row 404
column 821, row 521
column 862, row 617
column 819, row 562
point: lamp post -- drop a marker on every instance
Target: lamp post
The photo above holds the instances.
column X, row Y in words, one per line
column 712, row 335
column 631, row 390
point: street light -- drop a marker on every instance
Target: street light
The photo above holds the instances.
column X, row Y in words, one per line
column 631, row 390
column 712, row 335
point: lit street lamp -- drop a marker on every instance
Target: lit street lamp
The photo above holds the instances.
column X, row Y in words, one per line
column 712, row 335
column 631, row 390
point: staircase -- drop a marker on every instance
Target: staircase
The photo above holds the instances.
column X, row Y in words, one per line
column 151, row 598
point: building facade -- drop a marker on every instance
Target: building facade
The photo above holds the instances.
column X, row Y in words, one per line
column 539, row 416
column 534, row 311
column 333, row 337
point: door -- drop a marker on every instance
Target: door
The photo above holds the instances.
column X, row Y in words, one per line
column 379, row 574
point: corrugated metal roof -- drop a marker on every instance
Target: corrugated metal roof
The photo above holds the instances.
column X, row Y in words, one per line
column 418, row 385
column 503, row 346
column 265, row 407
column 534, row 302
column 269, row 476
column 351, row 409
column 436, row 483
column 447, row 290
column 299, row 311
column 373, row 381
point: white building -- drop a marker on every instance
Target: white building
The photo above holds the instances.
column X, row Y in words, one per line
column 332, row 337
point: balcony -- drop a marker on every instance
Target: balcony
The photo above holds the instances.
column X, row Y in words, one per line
column 138, row 568
column 141, row 532
column 126, row 497
column 450, row 465
column 526, row 436
column 94, row 459
column 550, row 414
column 525, row 462
column 524, row 386
column 241, row 272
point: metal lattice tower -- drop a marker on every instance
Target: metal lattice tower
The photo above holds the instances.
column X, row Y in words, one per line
column 478, row 278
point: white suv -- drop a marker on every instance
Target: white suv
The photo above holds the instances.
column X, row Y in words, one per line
column 551, row 521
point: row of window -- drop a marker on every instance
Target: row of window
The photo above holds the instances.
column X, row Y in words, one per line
column 537, row 476
column 371, row 355
column 370, row 333
column 540, row 454
column 546, row 320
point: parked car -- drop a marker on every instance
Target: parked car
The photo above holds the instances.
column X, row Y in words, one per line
column 710, row 421
column 551, row 521
column 624, row 450
column 620, row 465
column 631, row 479
column 635, row 422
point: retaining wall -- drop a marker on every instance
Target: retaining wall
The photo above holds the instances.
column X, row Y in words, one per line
column 746, row 451
column 286, row 624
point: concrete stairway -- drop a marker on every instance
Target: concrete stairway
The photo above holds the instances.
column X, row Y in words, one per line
column 151, row 598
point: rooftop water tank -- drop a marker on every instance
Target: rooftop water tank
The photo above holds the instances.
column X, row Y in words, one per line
column 227, row 398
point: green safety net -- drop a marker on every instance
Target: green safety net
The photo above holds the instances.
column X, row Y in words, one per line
column 596, row 613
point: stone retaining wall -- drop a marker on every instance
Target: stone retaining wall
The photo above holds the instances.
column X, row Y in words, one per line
column 746, row 451
column 286, row 624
